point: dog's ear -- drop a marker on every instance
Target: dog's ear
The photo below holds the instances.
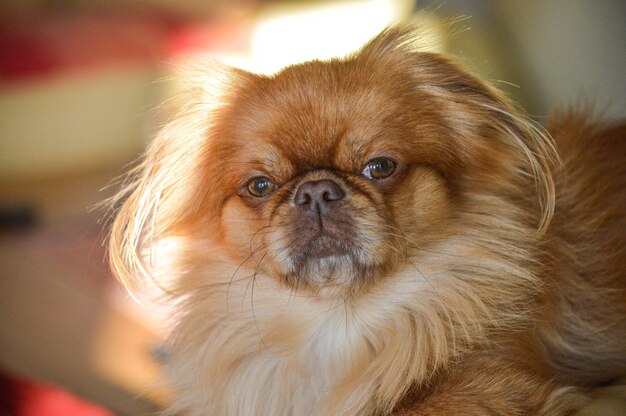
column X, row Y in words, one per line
column 500, row 138
column 168, row 186
column 486, row 130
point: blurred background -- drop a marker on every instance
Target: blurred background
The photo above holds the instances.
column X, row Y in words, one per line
column 79, row 82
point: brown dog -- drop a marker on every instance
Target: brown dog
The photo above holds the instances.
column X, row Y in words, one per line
column 382, row 234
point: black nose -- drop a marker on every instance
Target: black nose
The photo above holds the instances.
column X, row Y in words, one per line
column 318, row 196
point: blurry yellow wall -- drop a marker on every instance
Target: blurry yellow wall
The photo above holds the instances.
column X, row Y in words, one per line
column 74, row 123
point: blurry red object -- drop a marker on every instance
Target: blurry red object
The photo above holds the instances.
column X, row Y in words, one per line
column 20, row 397
column 42, row 46
column 214, row 37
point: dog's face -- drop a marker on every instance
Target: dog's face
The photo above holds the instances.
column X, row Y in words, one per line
column 328, row 176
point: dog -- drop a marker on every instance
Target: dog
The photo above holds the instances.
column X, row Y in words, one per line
column 382, row 234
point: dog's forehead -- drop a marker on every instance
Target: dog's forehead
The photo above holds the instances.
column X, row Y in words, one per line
column 317, row 113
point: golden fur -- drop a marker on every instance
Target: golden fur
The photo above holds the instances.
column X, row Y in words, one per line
column 483, row 277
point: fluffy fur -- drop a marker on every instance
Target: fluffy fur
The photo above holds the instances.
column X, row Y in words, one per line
column 482, row 277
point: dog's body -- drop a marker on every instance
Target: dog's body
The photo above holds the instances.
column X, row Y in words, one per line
column 376, row 235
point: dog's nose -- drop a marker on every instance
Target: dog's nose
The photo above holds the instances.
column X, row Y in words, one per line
column 318, row 196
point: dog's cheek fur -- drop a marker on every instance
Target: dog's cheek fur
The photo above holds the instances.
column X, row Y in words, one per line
column 422, row 207
column 241, row 230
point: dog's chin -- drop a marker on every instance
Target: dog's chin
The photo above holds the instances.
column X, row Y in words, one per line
column 323, row 246
column 328, row 266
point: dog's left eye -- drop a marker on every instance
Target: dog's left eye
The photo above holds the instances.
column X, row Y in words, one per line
column 379, row 168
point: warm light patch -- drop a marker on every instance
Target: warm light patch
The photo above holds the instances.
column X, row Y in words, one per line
column 287, row 36
column 288, row 33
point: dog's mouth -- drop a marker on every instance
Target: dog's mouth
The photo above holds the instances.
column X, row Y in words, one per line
column 321, row 246
column 326, row 258
column 316, row 237
column 327, row 238
column 324, row 246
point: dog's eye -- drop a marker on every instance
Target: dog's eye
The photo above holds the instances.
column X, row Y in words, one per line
column 379, row 168
column 260, row 187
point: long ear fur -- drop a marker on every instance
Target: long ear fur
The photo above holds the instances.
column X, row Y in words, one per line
column 534, row 152
column 161, row 193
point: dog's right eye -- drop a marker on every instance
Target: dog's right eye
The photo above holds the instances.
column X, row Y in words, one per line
column 260, row 187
